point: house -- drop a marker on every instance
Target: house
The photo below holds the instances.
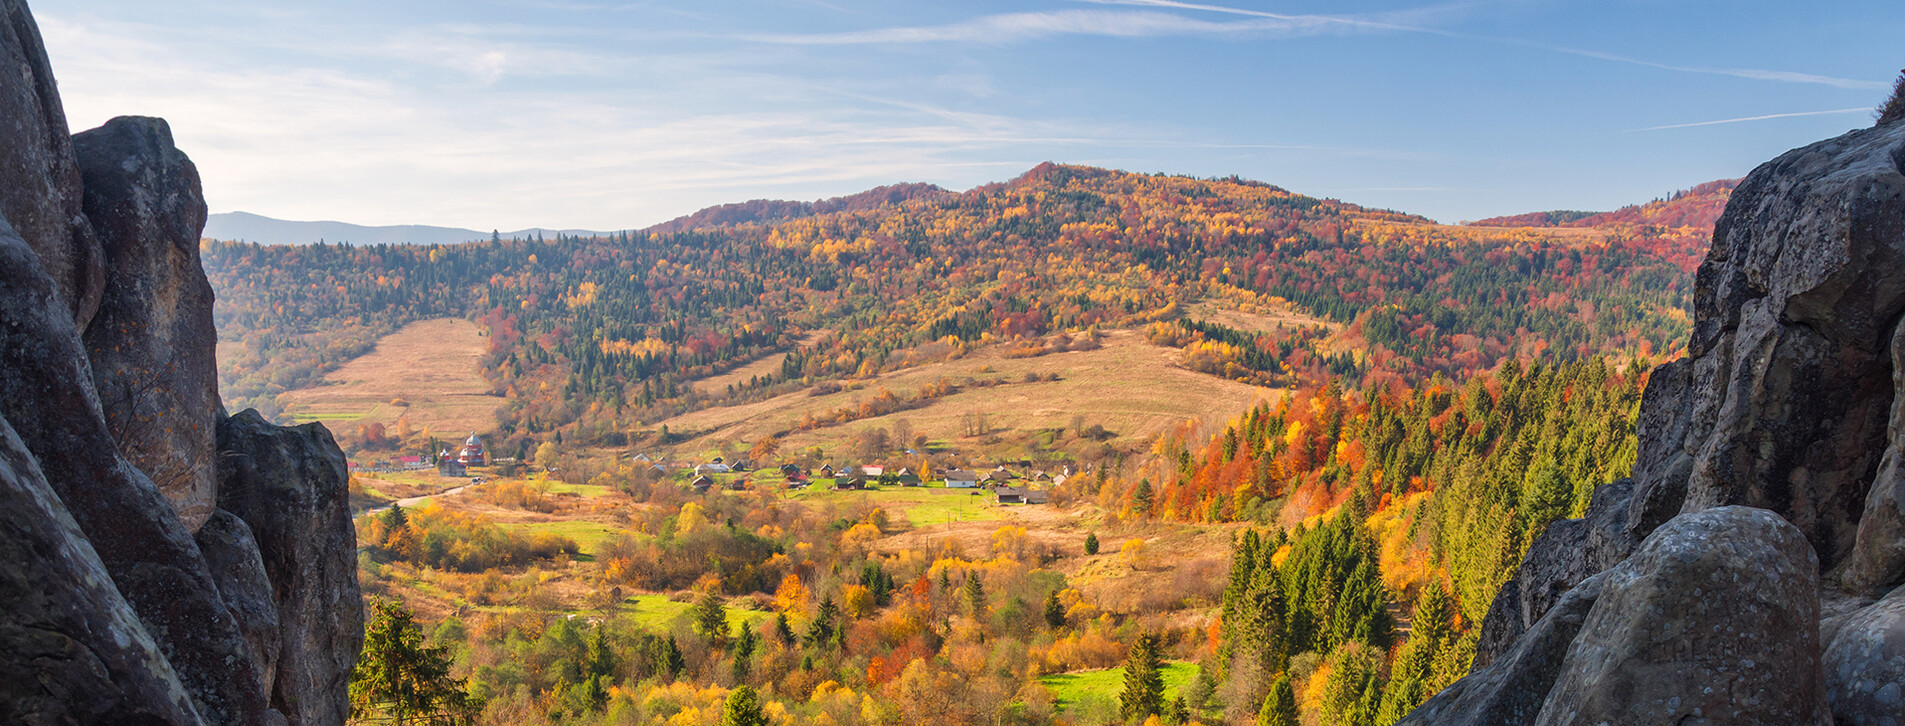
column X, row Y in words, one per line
column 798, row 483
column 737, row 485
column 447, row 465
column 701, row 483
column 1000, row 475
column 826, row 472
column 961, row 479
column 1022, row 495
column 472, row 452
column 741, row 465
column 1060, row 480
column 717, row 467
column 845, row 485
column 873, row 471
column 790, row 469
column 906, row 478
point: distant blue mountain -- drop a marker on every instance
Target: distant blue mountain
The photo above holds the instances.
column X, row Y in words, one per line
column 265, row 230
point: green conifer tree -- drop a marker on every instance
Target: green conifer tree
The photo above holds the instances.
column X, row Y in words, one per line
column 743, row 708
column 1143, row 694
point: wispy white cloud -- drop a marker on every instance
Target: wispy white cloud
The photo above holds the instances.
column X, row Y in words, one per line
column 1757, row 74
column 1015, row 27
column 1743, row 119
column 1409, row 21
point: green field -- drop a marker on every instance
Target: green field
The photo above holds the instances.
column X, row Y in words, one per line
column 588, row 536
column 1067, row 688
column 922, row 506
column 654, row 613
column 587, row 491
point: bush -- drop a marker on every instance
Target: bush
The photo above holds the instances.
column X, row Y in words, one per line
column 1894, row 107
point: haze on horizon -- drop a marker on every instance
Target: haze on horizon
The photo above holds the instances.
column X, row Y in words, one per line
column 613, row 115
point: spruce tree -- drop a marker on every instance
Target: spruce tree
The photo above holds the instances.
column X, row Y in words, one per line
column 743, row 708
column 711, row 618
column 403, row 679
column 1091, row 543
column 975, row 595
column 1054, row 611
column 1143, row 694
column 1279, row 708
column 743, row 653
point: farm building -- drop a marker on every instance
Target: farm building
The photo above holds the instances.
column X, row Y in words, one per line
column 962, row 479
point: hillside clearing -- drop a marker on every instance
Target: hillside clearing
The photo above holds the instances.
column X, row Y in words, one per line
column 1131, row 387
column 430, row 365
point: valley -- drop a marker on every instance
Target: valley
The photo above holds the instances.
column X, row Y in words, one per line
column 1220, row 382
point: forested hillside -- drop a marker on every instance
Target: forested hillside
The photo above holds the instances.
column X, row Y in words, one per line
column 599, row 336
column 1465, row 386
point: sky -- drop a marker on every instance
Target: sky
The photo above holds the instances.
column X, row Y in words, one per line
column 607, row 115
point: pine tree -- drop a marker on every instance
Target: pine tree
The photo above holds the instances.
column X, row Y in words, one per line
column 711, row 618
column 820, row 631
column 782, row 631
column 1279, row 708
column 975, row 595
column 743, row 653
column 743, row 708
column 1091, row 543
column 1054, row 611
column 1141, row 498
column 1143, row 694
column 403, row 679
column 668, row 662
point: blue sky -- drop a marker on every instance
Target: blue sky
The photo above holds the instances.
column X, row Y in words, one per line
column 609, row 115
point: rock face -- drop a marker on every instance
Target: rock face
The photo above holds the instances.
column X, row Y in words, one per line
column 74, row 652
column 111, row 610
column 37, row 168
column 1714, row 620
column 46, row 392
column 238, row 568
column 1791, row 401
column 152, row 343
column 1865, row 665
column 292, row 487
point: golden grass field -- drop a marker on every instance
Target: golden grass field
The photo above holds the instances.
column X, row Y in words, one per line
column 1129, row 386
column 764, row 366
column 431, row 365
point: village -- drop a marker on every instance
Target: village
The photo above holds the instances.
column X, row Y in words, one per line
column 1014, row 482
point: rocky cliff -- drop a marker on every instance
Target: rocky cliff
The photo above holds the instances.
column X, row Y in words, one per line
column 153, row 568
column 1749, row 571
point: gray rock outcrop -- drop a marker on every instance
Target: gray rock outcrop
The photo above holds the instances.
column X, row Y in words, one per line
column 1865, row 665
column 38, row 171
column 111, row 610
column 74, row 652
column 1791, row 401
column 291, row 485
column 1714, row 620
column 152, row 343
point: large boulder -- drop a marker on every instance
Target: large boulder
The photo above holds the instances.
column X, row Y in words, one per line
column 239, row 569
column 152, row 343
column 291, row 485
column 46, row 391
column 39, row 180
column 1865, row 665
column 1713, row 621
column 71, row 649
column 1512, row 688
